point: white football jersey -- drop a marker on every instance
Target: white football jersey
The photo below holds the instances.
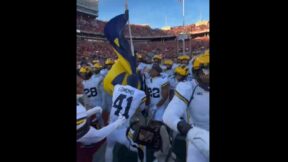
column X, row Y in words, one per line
column 92, row 135
column 171, row 78
column 125, row 101
column 81, row 115
column 198, row 109
column 169, row 73
column 163, row 67
column 174, row 66
column 154, row 87
column 173, row 83
column 142, row 67
column 93, row 90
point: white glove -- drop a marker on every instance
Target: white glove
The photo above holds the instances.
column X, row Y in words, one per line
column 94, row 110
column 103, row 72
column 120, row 121
column 200, row 139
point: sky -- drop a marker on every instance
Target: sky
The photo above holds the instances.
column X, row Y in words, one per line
column 156, row 12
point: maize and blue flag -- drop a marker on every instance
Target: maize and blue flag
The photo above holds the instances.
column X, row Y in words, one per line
column 125, row 65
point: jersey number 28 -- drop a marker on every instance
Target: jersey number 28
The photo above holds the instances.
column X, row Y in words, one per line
column 118, row 105
column 92, row 92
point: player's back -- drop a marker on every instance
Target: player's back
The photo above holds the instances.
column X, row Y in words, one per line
column 125, row 101
column 92, row 90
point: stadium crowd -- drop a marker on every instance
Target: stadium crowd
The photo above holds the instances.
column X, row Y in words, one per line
column 102, row 50
column 189, row 29
column 90, row 24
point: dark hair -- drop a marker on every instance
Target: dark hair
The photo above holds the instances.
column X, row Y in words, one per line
column 157, row 68
column 182, row 77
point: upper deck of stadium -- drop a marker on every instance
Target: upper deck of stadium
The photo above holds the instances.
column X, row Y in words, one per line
column 87, row 24
column 92, row 42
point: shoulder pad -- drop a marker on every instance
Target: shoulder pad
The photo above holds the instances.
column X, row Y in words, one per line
column 81, row 111
column 163, row 80
column 184, row 91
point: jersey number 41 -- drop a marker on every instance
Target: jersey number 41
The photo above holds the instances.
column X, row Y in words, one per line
column 118, row 105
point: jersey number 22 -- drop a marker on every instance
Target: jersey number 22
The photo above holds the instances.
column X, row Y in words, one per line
column 154, row 92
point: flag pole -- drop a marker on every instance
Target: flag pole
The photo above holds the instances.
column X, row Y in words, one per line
column 166, row 21
column 129, row 28
column 183, row 9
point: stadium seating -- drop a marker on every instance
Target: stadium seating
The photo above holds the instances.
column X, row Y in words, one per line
column 89, row 24
column 102, row 50
column 88, row 50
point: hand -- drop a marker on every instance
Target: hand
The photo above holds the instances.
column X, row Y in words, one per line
column 145, row 113
column 120, row 121
column 99, row 110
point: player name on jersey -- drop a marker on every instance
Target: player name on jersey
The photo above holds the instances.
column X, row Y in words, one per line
column 125, row 90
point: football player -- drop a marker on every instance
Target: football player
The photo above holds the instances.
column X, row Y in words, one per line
column 185, row 60
column 158, row 89
column 180, row 74
column 192, row 98
column 178, row 62
column 157, row 59
column 88, row 135
column 168, row 63
column 92, row 87
column 126, row 100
